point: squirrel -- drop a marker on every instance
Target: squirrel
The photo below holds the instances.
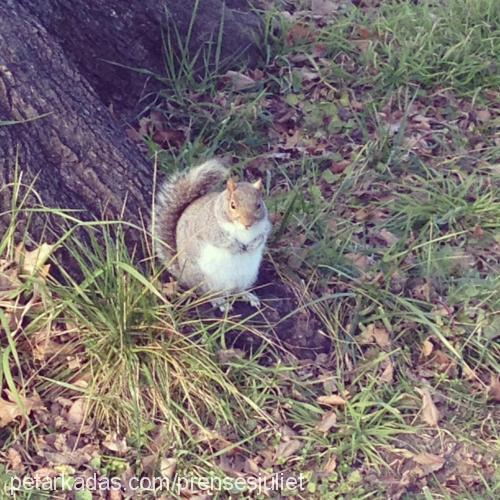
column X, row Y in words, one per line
column 212, row 241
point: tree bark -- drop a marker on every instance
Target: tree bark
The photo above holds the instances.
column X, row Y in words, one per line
column 96, row 33
column 79, row 157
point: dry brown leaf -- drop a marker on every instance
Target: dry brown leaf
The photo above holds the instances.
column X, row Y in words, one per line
column 76, row 412
column 429, row 462
column 388, row 237
column 324, row 7
column 330, row 465
column 167, row 467
column 251, row 466
column 113, row 443
column 377, row 334
column 430, row 414
column 382, row 337
column 427, row 348
column 327, row 422
column 45, row 472
column 288, row 448
column 299, row 32
column 362, row 45
column 10, row 410
column 114, row 494
column 34, row 262
column 292, row 140
column 240, row 81
column 362, row 262
column 388, row 374
column 169, row 137
column 483, row 115
column 331, row 400
column 425, row 458
column 148, row 464
column 15, row 460
column 8, row 281
column 494, row 389
column 43, row 346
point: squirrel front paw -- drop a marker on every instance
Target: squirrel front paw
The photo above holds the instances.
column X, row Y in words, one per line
column 252, row 299
column 222, row 304
column 225, row 306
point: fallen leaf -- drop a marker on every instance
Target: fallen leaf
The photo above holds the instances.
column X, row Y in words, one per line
column 299, row 32
column 337, row 167
column 33, row 262
column 226, row 356
column 42, row 346
column 240, row 81
column 15, row 461
column 381, row 336
column 167, row 467
column 251, row 466
column 373, row 333
column 288, row 448
column 114, row 494
column 388, row 237
column 494, row 390
column 45, row 472
column 483, row 115
column 327, row 422
column 427, row 348
column 148, row 464
column 10, row 410
column 430, row 414
column 362, row 45
column 9, row 282
column 169, row 137
column 323, row 7
column 429, row 461
column 388, row 374
column 76, row 412
column 292, row 140
column 113, row 443
column 331, row 400
column 362, row 262
column 330, row 465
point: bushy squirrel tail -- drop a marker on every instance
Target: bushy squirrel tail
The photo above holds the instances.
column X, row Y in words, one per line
column 175, row 195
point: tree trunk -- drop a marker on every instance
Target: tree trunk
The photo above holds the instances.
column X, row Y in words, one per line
column 52, row 66
column 96, row 33
column 80, row 158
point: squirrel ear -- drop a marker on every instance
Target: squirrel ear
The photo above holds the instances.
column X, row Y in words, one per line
column 231, row 185
column 258, row 184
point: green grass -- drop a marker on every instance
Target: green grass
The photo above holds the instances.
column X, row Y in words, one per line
column 403, row 238
column 455, row 44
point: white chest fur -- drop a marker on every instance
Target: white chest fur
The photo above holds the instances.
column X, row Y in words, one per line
column 227, row 271
column 230, row 271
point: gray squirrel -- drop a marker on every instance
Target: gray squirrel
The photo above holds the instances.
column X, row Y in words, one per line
column 212, row 241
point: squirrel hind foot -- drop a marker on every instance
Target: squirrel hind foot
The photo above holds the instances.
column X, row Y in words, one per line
column 225, row 305
column 251, row 298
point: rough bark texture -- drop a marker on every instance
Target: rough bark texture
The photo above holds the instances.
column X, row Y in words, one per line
column 80, row 158
column 129, row 33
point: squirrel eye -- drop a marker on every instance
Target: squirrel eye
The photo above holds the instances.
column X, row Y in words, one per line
column 259, row 205
column 233, row 205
